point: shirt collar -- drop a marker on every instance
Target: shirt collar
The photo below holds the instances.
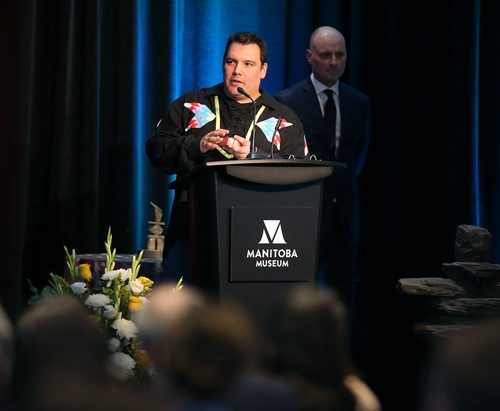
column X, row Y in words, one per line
column 320, row 87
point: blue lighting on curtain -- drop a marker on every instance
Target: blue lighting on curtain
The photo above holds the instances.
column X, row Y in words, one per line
column 174, row 87
column 177, row 35
column 475, row 119
column 140, row 128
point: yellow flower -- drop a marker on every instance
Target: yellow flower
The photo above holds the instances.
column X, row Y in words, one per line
column 146, row 282
column 134, row 303
column 84, row 271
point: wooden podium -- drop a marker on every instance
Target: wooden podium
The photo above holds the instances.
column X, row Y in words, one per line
column 254, row 227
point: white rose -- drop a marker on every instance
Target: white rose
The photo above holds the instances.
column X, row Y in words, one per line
column 136, row 287
column 78, row 288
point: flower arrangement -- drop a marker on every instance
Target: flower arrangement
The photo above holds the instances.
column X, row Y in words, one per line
column 112, row 299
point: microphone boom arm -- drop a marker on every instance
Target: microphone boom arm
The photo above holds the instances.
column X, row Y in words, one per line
column 253, row 154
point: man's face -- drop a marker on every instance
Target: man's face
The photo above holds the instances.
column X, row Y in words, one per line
column 242, row 68
column 328, row 58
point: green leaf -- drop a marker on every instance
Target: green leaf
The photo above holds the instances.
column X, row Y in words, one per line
column 71, row 262
column 33, row 289
column 136, row 266
column 110, row 255
column 179, row 285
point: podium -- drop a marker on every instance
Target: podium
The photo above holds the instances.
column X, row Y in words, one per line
column 254, row 228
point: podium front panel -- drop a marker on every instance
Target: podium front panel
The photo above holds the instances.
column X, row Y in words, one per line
column 251, row 242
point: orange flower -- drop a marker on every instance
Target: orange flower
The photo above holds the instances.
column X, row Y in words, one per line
column 134, row 303
column 143, row 358
column 84, row 271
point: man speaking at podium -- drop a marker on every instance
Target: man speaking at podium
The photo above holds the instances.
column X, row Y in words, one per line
column 217, row 123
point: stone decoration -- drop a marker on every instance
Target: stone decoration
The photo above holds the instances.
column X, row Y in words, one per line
column 468, row 292
column 156, row 240
column 472, row 244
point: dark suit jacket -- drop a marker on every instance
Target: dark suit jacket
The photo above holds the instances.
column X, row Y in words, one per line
column 353, row 146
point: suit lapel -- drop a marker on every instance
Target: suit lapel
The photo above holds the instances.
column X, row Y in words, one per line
column 311, row 104
column 314, row 119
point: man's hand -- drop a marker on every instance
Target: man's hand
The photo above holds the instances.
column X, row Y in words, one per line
column 211, row 140
column 236, row 145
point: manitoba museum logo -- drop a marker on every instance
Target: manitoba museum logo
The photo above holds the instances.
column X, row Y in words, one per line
column 272, row 233
column 272, row 257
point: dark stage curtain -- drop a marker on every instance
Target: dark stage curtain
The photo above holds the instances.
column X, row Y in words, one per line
column 84, row 82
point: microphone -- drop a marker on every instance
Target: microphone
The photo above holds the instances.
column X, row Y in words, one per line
column 253, row 154
column 278, row 123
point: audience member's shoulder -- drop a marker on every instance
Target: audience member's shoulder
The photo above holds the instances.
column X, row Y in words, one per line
column 253, row 391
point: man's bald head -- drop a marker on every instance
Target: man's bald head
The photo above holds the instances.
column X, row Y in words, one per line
column 327, row 55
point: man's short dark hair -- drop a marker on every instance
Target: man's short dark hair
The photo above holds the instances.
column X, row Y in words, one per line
column 246, row 37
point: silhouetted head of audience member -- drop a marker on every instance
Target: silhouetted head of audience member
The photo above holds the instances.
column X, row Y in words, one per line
column 309, row 334
column 156, row 319
column 59, row 347
column 210, row 348
column 465, row 371
column 202, row 350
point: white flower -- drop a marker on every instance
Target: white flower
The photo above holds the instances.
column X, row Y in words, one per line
column 78, row 288
column 110, row 275
column 125, row 328
column 136, row 287
column 109, row 312
column 96, row 301
column 113, row 344
column 123, row 363
column 125, row 274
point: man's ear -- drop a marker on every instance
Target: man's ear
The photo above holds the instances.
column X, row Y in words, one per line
column 263, row 71
column 308, row 55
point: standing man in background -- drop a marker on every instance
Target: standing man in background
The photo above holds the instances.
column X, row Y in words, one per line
column 336, row 120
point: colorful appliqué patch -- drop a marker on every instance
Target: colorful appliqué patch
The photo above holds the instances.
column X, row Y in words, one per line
column 268, row 126
column 202, row 115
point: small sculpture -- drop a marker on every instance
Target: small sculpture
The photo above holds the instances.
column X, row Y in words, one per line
column 155, row 239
